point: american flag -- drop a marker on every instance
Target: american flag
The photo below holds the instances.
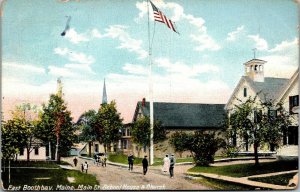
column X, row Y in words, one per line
column 160, row 17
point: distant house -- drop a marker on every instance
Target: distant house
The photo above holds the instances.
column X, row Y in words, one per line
column 180, row 117
column 125, row 143
column 37, row 152
column 266, row 88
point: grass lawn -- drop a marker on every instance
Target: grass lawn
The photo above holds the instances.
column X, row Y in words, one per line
column 121, row 158
column 222, row 185
column 242, row 170
column 159, row 161
column 282, row 179
column 49, row 164
column 50, row 177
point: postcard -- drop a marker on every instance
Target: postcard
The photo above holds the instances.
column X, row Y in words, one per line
column 149, row 95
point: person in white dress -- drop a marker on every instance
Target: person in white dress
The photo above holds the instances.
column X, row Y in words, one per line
column 166, row 165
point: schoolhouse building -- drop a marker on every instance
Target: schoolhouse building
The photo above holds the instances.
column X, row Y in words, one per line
column 254, row 83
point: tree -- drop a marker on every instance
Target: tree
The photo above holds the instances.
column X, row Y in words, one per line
column 180, row 141
column 140, row 132
column 204, row 146
column 108, row 124
column 12, row 138
column 27, row 114
column 273, row 123
column 85, row 124
column 18, row 132
column 252, row 120
column 56, row 125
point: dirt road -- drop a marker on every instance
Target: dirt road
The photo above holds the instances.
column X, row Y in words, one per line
column 120, row 178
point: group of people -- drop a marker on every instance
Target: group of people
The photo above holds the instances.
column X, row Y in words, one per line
column 100, row 159
column 97, row 159
column 144, row 162
column 169, row 163
column 84, row 166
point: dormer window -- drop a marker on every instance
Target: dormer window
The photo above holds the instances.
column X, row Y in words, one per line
column 245, row 92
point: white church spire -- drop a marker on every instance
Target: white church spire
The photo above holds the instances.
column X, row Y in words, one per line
column 104, row 96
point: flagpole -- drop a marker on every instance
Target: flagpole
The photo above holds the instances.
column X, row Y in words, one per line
column 150, row 93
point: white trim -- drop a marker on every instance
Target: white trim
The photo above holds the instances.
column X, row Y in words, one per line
column 288, row 87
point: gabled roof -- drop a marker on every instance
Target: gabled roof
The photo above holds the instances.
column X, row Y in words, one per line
column 287, row 87
column 185, row 115
column 270, row 88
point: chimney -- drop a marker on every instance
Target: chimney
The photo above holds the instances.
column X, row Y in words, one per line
column 143, row 102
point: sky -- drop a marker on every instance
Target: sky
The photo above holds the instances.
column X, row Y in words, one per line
column 109, row 40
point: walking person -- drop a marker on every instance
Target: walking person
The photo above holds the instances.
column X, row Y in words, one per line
column 85, row 167
column 103, row 160
column 166, row 165
column 75, row 161
column 95, row 158
column 145, row 165
column 82, row 167
column 130, row 162
column 172, row 164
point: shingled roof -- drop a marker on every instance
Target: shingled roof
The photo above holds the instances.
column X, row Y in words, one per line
column 271, row 86
column 185, row 115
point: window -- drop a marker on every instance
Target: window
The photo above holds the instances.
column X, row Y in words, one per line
column 245, row 92
column 124, row 144
column 36, row 151
column 96, row 148
column 123, row 132
column 272, row 114
column 294, row 101
column 128, row 132
column 21, row 152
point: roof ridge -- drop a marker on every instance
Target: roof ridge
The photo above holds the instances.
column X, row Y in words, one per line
column 185, row 103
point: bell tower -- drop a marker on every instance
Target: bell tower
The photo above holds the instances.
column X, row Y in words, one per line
column 255, row 69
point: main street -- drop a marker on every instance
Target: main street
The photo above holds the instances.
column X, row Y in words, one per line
column 116, row 177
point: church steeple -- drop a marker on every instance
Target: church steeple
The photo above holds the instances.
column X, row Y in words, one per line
column 104, row 96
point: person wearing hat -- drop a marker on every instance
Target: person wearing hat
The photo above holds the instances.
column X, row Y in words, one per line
column 145, row 165
column 130, row 162
column 172, row 164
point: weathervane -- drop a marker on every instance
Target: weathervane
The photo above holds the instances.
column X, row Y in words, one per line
column 254, row 51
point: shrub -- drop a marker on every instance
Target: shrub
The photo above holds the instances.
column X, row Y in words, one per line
column 230, row 151
column 204, row 146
